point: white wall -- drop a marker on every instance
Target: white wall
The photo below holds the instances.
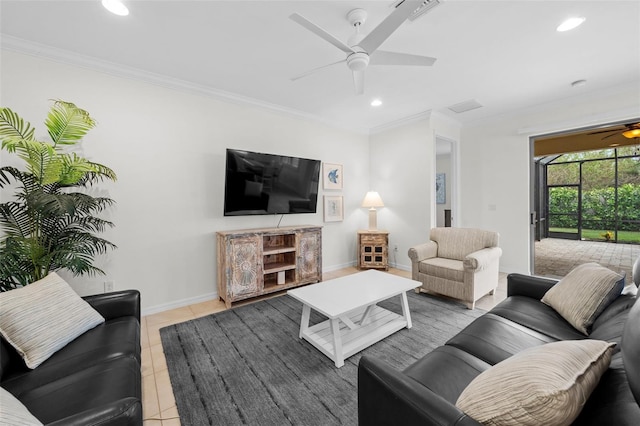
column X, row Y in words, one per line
column 168, row 147
column 402, row 164
column 495, row 163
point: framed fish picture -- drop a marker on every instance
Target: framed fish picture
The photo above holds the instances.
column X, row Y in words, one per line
column 331, row 176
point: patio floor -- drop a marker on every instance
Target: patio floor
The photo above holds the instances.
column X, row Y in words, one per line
column 556, row 257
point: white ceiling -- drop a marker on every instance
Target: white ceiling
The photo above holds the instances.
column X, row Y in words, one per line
column 506, row 55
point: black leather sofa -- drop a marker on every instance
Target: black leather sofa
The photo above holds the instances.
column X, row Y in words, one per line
column 425, row 393
column 94, row 380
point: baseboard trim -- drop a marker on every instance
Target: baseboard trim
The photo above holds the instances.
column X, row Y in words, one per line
column 179, row 303
column 214, row 295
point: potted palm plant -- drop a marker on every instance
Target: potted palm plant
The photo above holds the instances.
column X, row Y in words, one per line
column 51, row 222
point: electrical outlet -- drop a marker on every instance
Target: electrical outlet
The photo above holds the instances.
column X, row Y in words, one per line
column 395, row 247
column 108, row 286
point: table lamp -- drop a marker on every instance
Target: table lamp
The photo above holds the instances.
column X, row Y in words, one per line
column 372, row 200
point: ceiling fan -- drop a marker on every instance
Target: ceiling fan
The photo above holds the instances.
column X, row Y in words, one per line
column 363, row 50
column 632, row 131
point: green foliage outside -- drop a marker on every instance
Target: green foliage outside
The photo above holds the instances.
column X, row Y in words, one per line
column 51, row 222
column 598, row 234
column 598, row 207
column 598, row 193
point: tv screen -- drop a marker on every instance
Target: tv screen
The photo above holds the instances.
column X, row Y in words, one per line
column 258, row 183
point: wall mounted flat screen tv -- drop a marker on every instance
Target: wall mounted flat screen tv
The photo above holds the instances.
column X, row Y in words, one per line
column 258, row 183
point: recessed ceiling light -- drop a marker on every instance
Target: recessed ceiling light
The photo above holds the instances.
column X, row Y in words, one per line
column 116, row 7
column 376, row 102
column 570, row 23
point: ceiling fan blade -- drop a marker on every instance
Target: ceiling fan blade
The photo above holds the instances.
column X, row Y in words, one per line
column 607, row 131
column 320, row 32
column 381, row 57
column 358, row 82
column 316, row 69
column 391, row 23
column 618, row 133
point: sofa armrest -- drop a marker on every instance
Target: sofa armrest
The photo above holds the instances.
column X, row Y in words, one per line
column 479, row 260
column 423, row 251
column 528, row 285
column 116, row 304
column 388, row 397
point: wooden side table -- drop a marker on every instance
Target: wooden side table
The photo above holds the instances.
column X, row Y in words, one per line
column 373, row 249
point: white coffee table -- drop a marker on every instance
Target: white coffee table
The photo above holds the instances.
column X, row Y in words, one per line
column 355, row 321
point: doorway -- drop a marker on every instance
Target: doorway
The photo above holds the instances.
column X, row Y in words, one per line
column 585, row 187
column 445, row 182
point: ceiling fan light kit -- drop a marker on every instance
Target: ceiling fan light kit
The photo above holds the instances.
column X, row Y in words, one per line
column 362, row 51
column 631, row 134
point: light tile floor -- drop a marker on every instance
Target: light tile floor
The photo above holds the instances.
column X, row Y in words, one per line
column 159, row 405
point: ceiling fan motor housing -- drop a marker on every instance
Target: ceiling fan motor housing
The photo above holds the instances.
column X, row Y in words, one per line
column 358, row 61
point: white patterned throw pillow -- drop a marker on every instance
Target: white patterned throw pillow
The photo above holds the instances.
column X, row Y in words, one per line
column 543, row 385
column 41, row 318
column 13, row 413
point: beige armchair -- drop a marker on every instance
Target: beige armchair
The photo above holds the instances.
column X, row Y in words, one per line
column 458, row 262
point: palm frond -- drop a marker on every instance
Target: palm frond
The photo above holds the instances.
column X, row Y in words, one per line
column 67, row 124
column 47, row 204
column 16, row 220
column 12, row 126
column 73, row 169
column 7, row 174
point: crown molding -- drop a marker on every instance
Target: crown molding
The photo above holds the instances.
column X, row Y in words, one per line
column 67, row 57
column 425, row 115
column 447, row 119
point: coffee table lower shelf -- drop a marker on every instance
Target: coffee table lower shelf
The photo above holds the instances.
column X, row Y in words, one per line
column 342, row 337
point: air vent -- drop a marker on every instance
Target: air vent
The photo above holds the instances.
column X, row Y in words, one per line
column 426, row 6
column 465, row 106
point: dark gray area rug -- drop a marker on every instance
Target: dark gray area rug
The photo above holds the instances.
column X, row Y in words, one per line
column 248, row 366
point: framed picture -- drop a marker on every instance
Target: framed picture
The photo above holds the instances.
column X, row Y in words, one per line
column 441, row 188
column 331, row 176
column 333, row 208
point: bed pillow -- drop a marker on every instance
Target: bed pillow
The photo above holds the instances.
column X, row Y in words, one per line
column 584, row 293
column 41, row 318
column 12, row 412
column 544, row 385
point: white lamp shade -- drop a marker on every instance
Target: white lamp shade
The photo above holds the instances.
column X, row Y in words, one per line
column 372, row 199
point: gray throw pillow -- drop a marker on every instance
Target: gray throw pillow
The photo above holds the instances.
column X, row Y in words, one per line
column 583, row 294
column 41, row 318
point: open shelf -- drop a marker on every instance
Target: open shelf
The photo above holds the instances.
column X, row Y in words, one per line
column 272, row 268
column 272, row 259
column 269, row 251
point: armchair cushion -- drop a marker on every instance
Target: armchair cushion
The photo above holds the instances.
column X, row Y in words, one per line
column 443, row 268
